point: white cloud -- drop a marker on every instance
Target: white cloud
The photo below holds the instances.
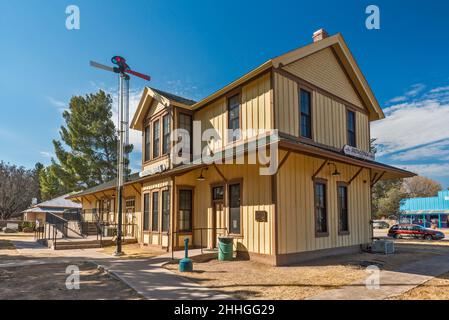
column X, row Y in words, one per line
column 435, row 151
column 61, row 105
column 411, row 124
column 46, row 154
column 440, row 89
column 429, row 170
column 413, row 91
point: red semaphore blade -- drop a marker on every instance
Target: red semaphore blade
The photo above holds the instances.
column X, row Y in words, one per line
column 138, row 74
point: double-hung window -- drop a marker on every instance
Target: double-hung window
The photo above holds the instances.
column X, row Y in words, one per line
column 156, row 138
column 235, row 209
column 165, row 134
column 155, row 212
column 306, row 114
column 147, row 151
column 342, row 198
column 165, row 211
column 351, row 129
column 185, row 210
column 146, row 212
column 234, row 118
column 320, row 208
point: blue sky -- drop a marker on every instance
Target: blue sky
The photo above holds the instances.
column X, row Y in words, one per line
column 193, row 48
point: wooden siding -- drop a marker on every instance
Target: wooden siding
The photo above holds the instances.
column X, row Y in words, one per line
column 363, row 131
column 256, row 110
column 324, row 70
column 296, row 216
column 328, row 116
column 155, row 108
column 257, row 196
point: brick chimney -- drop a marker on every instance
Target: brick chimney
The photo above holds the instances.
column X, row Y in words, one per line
column 320, row 35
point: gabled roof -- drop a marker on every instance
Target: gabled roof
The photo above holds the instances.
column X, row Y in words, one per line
column 52, row 205
column 336, row 42
column 151, row 94
column 342, row 51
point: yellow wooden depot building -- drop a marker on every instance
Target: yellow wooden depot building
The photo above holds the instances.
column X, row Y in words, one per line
column 318, row 104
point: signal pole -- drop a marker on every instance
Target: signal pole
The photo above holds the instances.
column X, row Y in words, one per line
column 123, row 133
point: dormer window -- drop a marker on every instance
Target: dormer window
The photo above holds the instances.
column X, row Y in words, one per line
column 165, row 134
column 147, row 153
column 156, row 138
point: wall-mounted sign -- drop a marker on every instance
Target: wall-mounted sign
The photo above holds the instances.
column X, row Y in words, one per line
column 157, row 169
column 261, row 216
column 357, row 153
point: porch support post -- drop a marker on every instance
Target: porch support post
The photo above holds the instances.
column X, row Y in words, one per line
column 439, row 221
column 172, row 219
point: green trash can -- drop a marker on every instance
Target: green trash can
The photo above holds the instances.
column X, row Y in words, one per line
column 225, row 248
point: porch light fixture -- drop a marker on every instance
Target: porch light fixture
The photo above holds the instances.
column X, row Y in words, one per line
column 201, row 177
column 336, row 173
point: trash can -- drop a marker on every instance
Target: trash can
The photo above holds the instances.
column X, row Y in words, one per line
column 225, row 248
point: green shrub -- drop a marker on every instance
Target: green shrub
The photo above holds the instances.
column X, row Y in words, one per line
column 28, row 224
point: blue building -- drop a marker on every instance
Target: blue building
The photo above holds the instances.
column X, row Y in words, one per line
column 426, row 211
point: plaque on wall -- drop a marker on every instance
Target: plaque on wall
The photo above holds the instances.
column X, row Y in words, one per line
column 261, row 216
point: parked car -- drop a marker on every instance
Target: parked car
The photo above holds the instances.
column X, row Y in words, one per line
column 414, row 231
column 380, row 224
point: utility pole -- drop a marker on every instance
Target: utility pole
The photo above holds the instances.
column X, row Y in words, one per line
column 122, row 70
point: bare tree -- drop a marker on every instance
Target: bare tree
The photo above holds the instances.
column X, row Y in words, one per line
column 18, row 186
column 420, row 186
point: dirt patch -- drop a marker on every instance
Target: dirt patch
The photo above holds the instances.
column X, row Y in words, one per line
column 435, row 289
column 252, row 280
column 135, row 251
column 48, row 282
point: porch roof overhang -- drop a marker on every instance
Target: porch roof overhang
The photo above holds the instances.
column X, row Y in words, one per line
column 385, row 172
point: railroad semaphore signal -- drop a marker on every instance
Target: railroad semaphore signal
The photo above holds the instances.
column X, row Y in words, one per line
column 123, row 70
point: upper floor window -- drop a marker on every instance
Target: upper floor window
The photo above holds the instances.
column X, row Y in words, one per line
column 306, row 114
column 147, row 150
column 185, row 123
column 165, row 134
column 351, row 128
column 234, row 118
column 320, row 208
column 156, row 138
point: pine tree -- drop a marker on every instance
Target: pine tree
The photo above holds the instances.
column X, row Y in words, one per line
column 87, row 152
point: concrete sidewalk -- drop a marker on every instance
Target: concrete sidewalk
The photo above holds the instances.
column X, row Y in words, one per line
column 392, row 283
column 151, row 280
column 146, row 276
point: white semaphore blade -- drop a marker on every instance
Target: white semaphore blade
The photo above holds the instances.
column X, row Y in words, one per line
column 101, row 66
